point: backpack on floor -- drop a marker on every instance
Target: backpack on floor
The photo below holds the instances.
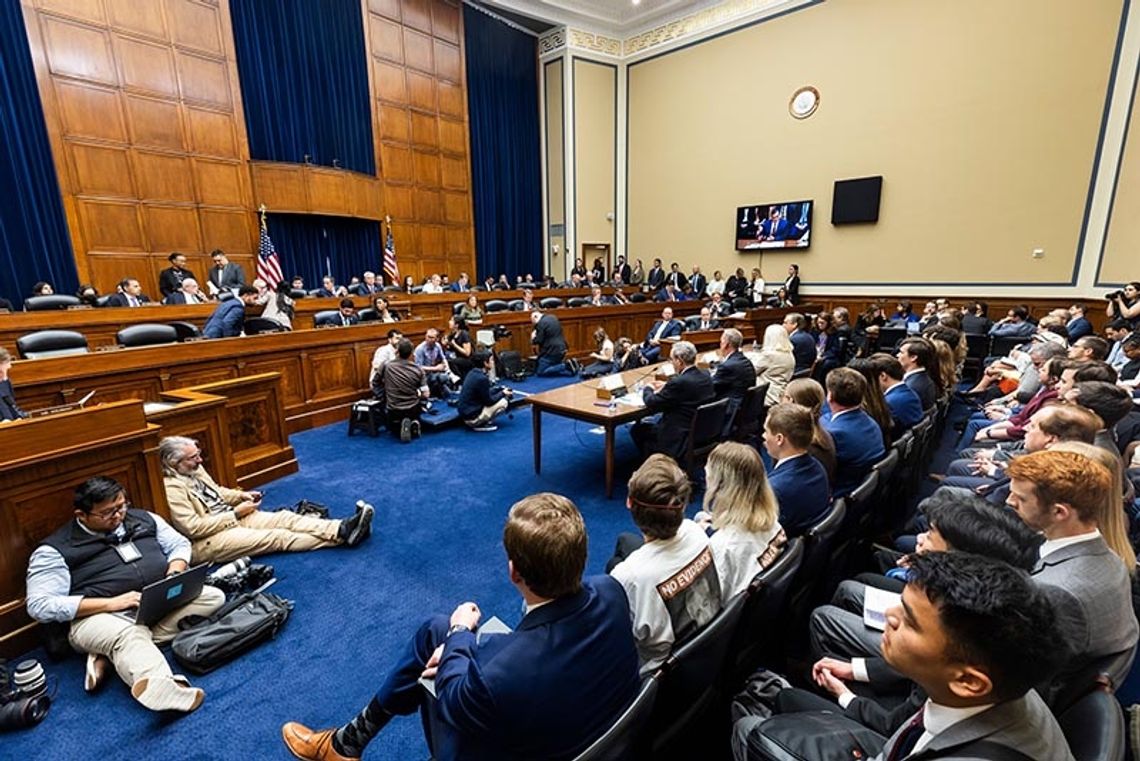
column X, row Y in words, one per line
column 511, row 365
column 812, row 736
column 237, row 627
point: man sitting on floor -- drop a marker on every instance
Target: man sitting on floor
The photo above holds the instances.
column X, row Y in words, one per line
column 671, row 579
column 93, row 569
column 223, row 524
column 546, row 690
column 405, row 390
column 479, row 401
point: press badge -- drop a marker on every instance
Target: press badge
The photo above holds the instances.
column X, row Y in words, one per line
column 128, row 552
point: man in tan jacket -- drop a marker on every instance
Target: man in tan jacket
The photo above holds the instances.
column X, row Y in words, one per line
column 223, row 524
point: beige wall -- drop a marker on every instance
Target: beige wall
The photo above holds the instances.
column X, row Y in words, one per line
column 555, row 161
column 1121, row 262
column 983, row 118
column 595, row 90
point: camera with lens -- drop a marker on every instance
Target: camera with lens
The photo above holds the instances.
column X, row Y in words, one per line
column 1114, row 295
column 240, row 576
column 24, row 698
column 501, row 331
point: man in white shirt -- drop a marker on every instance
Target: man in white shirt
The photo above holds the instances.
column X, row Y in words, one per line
column 434, row 285
column 671, row 580
column 382, row 356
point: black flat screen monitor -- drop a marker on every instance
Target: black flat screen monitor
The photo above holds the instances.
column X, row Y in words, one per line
column 856, row 200
column 774, row 225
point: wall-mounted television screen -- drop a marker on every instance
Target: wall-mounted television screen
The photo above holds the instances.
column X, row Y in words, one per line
column 776, row 225
column 856, row 200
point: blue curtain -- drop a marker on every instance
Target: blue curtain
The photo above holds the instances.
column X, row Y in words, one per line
column 34, row 242
column 308, row 243
column 304, row 81
column 502, row 102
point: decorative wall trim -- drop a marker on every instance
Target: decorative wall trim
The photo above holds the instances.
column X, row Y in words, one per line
column 552, row 42
column 698, row 23
column 595, row 43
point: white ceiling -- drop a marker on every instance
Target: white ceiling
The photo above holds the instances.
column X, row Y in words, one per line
column 616, row 17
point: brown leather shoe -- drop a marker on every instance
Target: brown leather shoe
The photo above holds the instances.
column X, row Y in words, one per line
column 308, row 745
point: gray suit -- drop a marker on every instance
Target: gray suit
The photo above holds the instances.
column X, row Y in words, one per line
column 1024, row 725
column 229, row 277
column 1091, row 586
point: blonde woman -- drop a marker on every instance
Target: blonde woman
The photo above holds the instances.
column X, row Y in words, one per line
column 808, row 393
column 756, row 289
column 1111, row 522
column 742, row 509
column 775, row 363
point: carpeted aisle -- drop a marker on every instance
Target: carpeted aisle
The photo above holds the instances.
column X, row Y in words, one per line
column 440, row 506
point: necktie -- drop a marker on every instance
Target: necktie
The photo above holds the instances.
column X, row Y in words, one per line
column 132, row 301
column 908, row 738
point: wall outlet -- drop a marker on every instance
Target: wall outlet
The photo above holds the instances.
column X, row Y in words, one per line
column 1038, row 253
column 554, row 249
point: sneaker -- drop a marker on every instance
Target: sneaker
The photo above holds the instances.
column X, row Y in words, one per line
column 406, row 430
column 416, row 430
column 167, row 693
column 574, row 365
column 359, row 527
column 484, row 428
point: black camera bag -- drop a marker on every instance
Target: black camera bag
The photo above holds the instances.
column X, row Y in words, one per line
column 238, row 626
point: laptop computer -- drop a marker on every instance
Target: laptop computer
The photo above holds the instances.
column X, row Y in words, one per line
column 163, row 596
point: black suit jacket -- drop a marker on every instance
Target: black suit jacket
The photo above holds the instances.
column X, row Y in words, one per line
column 120, row 300
column 677, row 401
column 699, row 282
column 792, row 286
column 678, row 279
column 624, row 271
column 170, row 280
column 548, row 337
column 734, row 376
column 921, row 384
column 655, row 278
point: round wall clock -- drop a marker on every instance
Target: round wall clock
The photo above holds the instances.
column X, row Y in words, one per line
column 804, row 102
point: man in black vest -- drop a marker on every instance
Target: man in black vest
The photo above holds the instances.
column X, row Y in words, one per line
column 89, row 574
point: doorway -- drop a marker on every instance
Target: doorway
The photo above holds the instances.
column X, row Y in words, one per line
column 592, row 251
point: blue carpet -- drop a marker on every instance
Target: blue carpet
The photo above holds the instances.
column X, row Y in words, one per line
column 440, row 507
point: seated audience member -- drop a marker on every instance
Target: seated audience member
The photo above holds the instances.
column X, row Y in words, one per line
column 479, row 401
column 676, row 400
column 1016, row 323
column 369, row 284
column 904, row 313
column 9, row 410
column 384, row 312
column 669, row 293
column 929, row 316
column 672, row 549
column 916, row 355
column 1078, row 325
column 430, row 356
column 551, row 346
column 874, row 403
column 717, row 306
column 471, row 313
column 188, row 293
column 77, row 578
column 797, row 479
column 858, row 438
column 1130, row 370
column 976, row 636
column 828, row 346
column 405, row 388
column 603, row 356
column 619, row 298
column 170, row 279
column 129, row 294
column 596, row 298
column 346, row 314
column 297, row 283
column 774, row 363
column 229, row 316
column 223, row 524
column 330, row 290
column 1089, row 348
column 224, row 275
column 445, row 282
column 1065, row 496
column 433, row 285
column 1117, row 331
column 409, row 284
column 88, row 295
column 707, row 321
column 958, row 522
column 546, row 690
column 803, row 345
column 902, row 401
column 666, row 327
column 456, row 343
column 1110, row 403
column 741, row 509
column 974, row 320
column 384, row 354
column 462, row 284
column 528, row 304
column 42, row 288
column 626, row 356
column 277, row 304
column 986, row 428
column 808, row 393
column 1113, row 524
column 734, row 374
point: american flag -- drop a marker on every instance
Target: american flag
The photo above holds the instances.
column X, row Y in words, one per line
column 390, row 267
column 268, row 263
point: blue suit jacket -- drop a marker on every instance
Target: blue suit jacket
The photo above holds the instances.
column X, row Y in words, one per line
column 1079, row 327
column 227, row 319
column 921, row 384
column 803, row 349
column 905, row 407
column 858, row 446
column 800, row 485
column 546, row 690
column 675, row 328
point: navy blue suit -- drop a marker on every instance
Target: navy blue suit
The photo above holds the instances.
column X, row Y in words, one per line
column 546, row 690
column 921, row 384
column 652, row 353
column 905, row 406
column 858, row 446
column 227, row 320
column 800, row 486
column 1079, row 327
column 803, row 348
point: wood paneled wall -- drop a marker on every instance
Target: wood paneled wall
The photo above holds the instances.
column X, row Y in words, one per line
column 418, row 81
column 143, row 106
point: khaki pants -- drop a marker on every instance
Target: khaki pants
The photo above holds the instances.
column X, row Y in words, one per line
column 133, row 648
column 260, row 533
column 488, row 414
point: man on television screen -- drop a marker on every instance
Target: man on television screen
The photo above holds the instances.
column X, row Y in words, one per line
column 775, row 227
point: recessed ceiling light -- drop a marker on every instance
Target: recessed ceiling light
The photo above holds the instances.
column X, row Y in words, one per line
column 637, row 2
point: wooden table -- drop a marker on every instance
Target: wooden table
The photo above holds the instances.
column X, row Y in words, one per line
column 579, row 401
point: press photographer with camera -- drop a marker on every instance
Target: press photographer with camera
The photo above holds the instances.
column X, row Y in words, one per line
column 89, row 574
column 1124, row 304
